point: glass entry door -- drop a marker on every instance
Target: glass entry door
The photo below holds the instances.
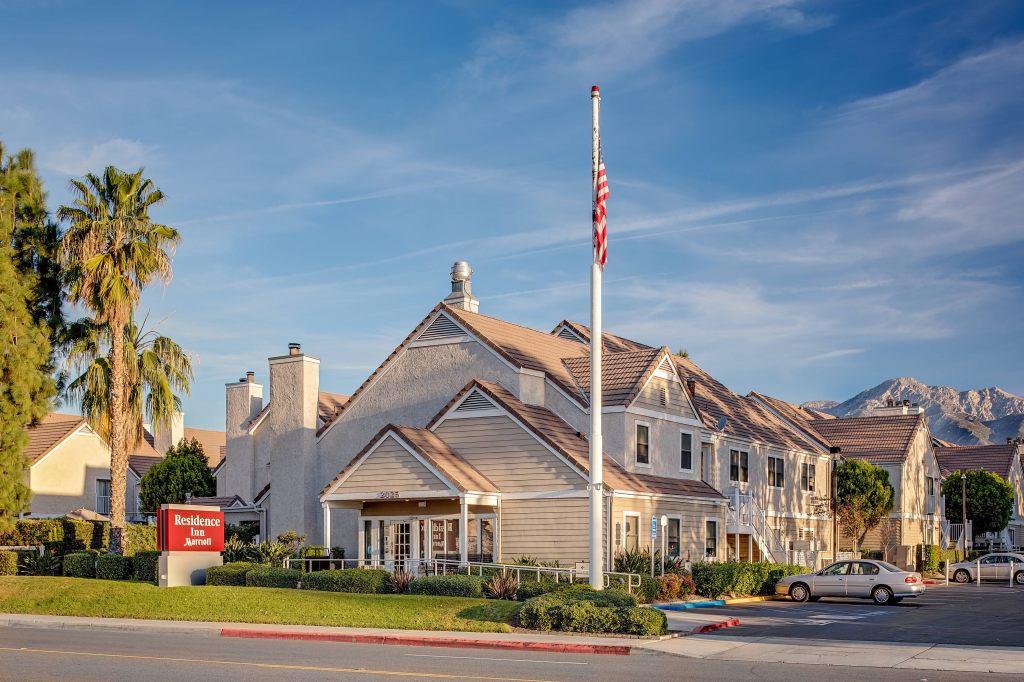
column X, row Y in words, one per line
column 401, row 544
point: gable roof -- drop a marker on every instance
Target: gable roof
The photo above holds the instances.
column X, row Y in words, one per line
column 623, row 375
column 797, row 415
column 222, row 501
column 435, row 451
column 214, row 444
column 878, row 439
column 745, row 417
column 140, row 464
column 611, row 342
column 328, row 403
column 51, row 431
column 574, row 446
column 997, row 459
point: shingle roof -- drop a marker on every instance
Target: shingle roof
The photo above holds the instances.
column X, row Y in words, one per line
column 461, row 473
column 223, row 501
column 879, row 439
column 798, row 416
column 611, row 342
column 575, row 447
column 329, row 403
column 49, row 433
column 997, row 459
column 140, row 464
column 623, row 375
column 745, row 418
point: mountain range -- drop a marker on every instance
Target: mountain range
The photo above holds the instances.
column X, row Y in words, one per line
column 973, row 417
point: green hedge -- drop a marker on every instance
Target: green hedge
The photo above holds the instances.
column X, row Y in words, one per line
column 528, row 589
column 361, row 580
column 929, row 558
column 139, row 537
column 714, row 579
column 449, row 586
column 145, row 564
column 113, row 567
column 229, row 574
column 8, row 563
column 79, row 565
column 582, row 611
column 272, row 576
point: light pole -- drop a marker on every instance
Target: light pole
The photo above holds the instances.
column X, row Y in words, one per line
column 836, row 453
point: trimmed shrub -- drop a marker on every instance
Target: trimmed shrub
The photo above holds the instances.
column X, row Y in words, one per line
column 642, row 621
column 139, row 537
column 113, row 567
column 648, row 591
column 229, row 574
column 272, row 576
column 82, row 535
column 145, row 564
column 929, row 559
column 586, row 616
column 79, row 565
column 448, row 586
column 714, row 579
column 543, row 612
column 528, row 589
column 8, row 563
column 359, row 580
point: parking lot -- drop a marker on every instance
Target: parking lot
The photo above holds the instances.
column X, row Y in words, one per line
column 989, row 614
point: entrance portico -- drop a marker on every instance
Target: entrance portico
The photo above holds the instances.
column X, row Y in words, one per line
column 418, row 502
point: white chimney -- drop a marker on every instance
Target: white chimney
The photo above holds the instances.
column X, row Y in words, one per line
column 169, row 433
column 899, row 408
column 462, row 289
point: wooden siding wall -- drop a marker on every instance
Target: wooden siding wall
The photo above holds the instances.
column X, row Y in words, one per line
column 509, row 456
column 391, row 467
column 551, row 529
column 693, row 515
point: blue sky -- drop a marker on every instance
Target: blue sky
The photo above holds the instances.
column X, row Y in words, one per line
column 811, row 197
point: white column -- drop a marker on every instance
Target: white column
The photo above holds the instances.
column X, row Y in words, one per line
column 463, row 530
column 327, row 529
column 596, row 338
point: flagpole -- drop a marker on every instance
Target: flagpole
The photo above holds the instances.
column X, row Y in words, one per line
column 596, row 445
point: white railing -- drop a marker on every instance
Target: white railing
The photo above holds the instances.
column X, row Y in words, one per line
column 747, row 513
column 953, row 536
column 631, row 581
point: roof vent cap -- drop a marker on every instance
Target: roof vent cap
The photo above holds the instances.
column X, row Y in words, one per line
column 294, row 348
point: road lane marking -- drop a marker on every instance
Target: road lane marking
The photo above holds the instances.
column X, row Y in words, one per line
column 270, row 666
column 515, row 660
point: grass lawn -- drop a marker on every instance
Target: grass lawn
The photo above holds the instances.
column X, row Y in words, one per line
column 116, row 599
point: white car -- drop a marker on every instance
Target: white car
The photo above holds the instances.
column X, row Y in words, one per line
column 995, row 566
column 857, row 578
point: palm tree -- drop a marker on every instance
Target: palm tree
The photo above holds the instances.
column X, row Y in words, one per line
column 159, row 369
column 111, row 251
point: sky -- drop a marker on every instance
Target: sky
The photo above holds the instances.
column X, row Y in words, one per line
column 809, row 196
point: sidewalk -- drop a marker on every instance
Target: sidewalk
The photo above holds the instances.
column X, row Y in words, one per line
column 557, row 642
column 894, row 655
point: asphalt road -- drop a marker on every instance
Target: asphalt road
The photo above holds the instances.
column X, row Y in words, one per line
column 65, row 655
column 991, row 615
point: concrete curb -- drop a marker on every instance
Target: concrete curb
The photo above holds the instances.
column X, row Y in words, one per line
column 687, row 605
column 409, row 640
column 711, row 627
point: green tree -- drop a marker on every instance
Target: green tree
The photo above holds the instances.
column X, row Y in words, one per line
column 865, row 497
column 989, row 500
column 111, row 251
column 184, row 472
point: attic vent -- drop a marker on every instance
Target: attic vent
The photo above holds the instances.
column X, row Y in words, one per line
column 566, row 333
column 666, row 365
column 441, row 328
column 663, row 396
column 474, row 402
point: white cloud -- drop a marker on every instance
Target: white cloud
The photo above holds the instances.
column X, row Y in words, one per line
column 77, row 158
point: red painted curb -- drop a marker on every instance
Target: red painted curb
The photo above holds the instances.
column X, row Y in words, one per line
column 711, row 627
column 412, row 640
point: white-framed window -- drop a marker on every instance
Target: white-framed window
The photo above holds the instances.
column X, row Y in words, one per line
column 673, row 537
column 711, row 538
column 643, row 443
column 805, row 533
column 930, row 486
column 103, row 496
column 808, row 471
column 705, row 462
column 685, row 451
column 631, row 534
column 776, row 472
column 739, row 466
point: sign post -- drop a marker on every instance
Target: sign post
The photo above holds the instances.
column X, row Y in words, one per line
column 654, row 536
column 190, row 538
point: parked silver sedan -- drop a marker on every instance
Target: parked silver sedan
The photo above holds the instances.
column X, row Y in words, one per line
column 995, row 566
column 859, row 578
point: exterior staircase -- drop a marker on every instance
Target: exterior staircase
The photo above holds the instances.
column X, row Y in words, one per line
column 746, row 517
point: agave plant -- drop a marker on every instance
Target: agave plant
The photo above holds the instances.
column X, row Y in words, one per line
column 236, row 550
column 502, row 587
column 46, row 563
column 400, row 580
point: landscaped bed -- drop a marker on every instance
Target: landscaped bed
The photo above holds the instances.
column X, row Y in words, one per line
column 119, row 599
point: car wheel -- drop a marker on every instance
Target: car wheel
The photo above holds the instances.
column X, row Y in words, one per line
column 1019, row 578
column 882, row 596
column 962, row 576
column 799, row 592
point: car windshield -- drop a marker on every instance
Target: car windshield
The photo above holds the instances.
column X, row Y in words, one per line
column 889, row 567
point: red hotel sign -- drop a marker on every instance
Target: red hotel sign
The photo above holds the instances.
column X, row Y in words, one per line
column 180, row 528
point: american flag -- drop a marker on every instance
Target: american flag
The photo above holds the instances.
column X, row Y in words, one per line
column 601, row 216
